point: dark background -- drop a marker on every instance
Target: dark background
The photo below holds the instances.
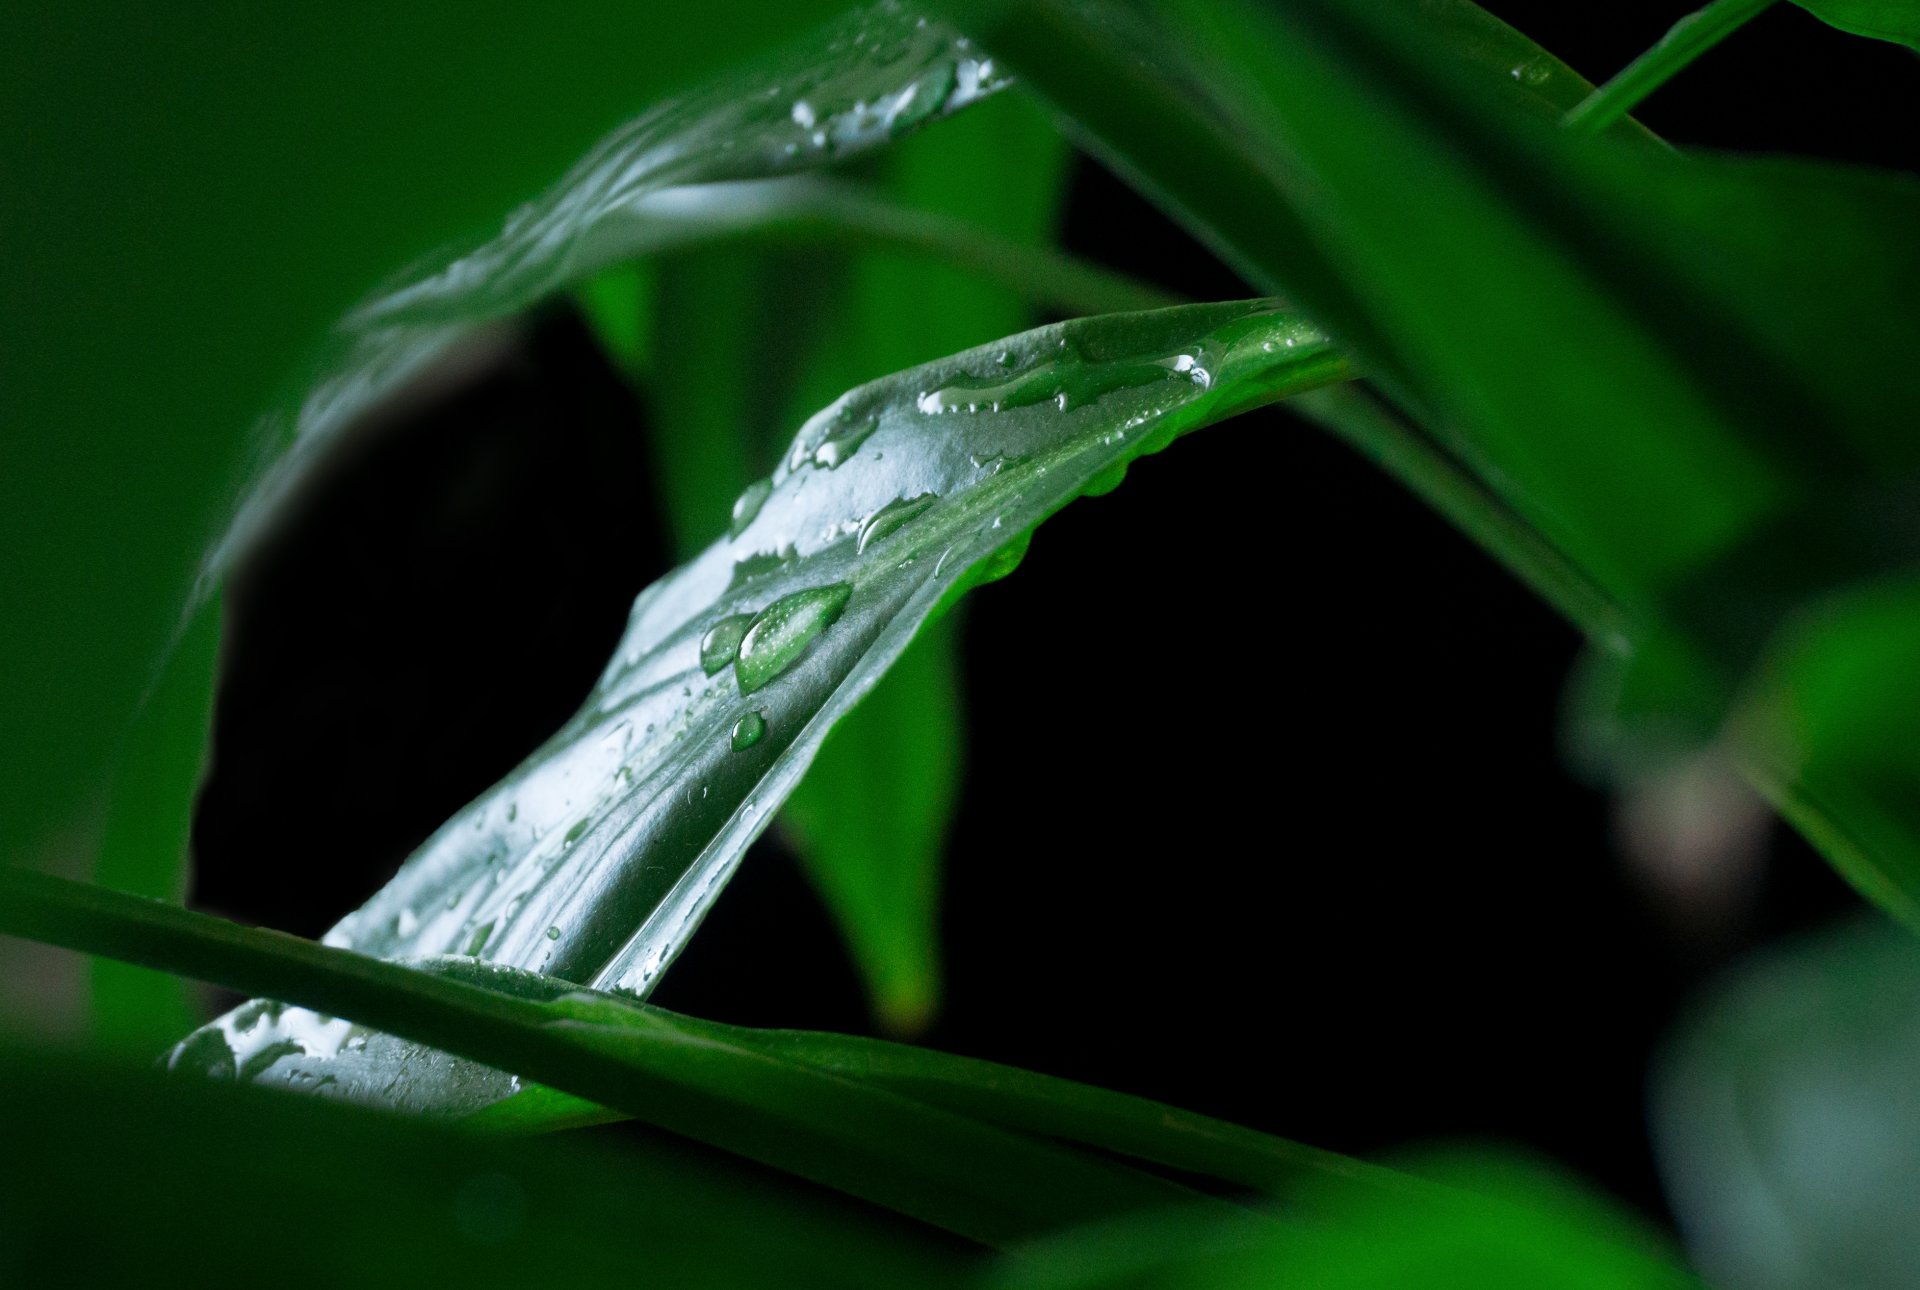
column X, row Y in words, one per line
column 1264, row 813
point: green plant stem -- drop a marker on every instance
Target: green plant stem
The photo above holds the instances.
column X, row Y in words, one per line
column 1689, row 38
column 993, row 1186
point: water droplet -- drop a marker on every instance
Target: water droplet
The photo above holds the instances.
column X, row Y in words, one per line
column 803, row 114
column 892, row 517
column 748, row 504
column 553, row 933
column 836, row 449
column 580, row 826
column 722, row 643
column 1533, row 72
column 747, row 731
column 1108, row 479
column 478, row 941
column 1004, row 560
column 782, row 631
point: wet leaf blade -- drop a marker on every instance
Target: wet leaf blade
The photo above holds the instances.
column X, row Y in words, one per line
column 600, row 854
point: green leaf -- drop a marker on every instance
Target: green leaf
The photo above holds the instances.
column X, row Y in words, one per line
column 1787, row 1115
column 148, row 826
column 245, row 175
column 1685, row 373
column 870, row 817
column 1894, row 20
column 759, row 1096
column 597, row 857
column 1470, row 1221
column 129, row 1178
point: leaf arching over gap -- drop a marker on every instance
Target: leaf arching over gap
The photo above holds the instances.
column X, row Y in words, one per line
column 596, row 858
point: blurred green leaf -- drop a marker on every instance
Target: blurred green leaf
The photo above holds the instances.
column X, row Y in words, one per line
column 1684, row 372
column 1894, row 20
column 1470, row 1221
column 129, row 1178
column 148, row 827
column 191, row 198
column 1787, row 1115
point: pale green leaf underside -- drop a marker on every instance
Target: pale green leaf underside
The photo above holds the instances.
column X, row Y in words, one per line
column 597, row 857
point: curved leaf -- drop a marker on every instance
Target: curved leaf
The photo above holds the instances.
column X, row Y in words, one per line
column 597, row 857
column 1894, row 20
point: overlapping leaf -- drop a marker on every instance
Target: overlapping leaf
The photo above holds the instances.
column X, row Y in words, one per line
column 595, row 860
column 1685, row 373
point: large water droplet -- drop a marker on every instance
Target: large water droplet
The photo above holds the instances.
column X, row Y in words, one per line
column 721, row 644
column 783, row 630
column 748, row 504
column 748, row 730
column 836, row 449
column 891, row 517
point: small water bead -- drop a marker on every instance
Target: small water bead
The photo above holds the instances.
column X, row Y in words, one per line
column 782, row 631
column 721, row 645
column 892, row 517
column 575, row 833
column 836, row 449
column 747, row 506
column 748, row 730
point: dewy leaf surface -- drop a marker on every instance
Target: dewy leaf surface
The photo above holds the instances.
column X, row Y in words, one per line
column 870, row 78
column 596, row 858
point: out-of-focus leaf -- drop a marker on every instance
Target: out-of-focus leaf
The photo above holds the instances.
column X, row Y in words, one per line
column 123, row 1178
column 1787, row 1116
column 149, row 822
column 1894, row 20
column 190, row 198
column 1684, row 372
column 597, row 857
column 1471, row 1221
column 715, row 1084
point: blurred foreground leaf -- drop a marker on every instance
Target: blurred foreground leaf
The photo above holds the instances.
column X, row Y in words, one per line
column 1787, row 1116
column 129, row 1178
